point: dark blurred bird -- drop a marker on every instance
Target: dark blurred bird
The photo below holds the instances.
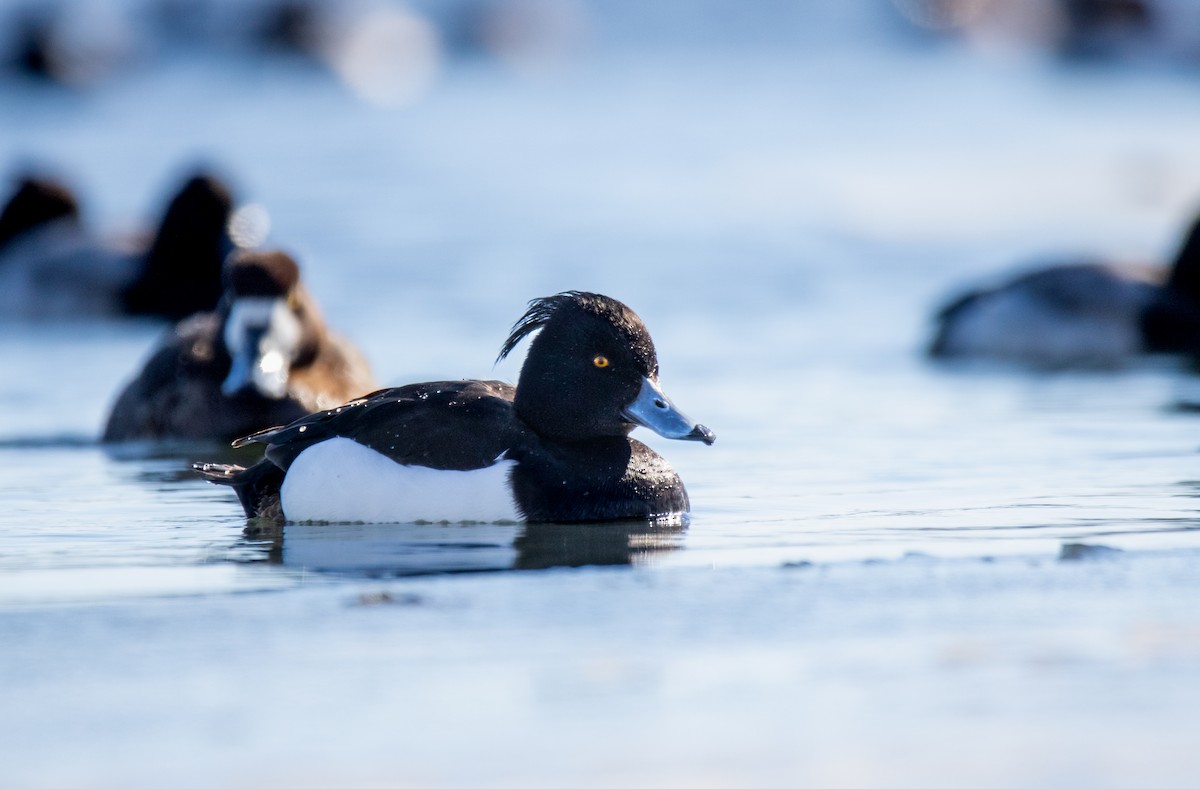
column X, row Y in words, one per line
column 1081, row 315
column 181, row 273
column 34, row 204
column 263, row 358
column 52, row 267
column 75, row 45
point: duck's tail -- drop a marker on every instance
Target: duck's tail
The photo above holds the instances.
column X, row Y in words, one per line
column 257, row 487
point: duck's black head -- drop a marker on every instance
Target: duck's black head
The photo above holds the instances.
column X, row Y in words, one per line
column 182, row 271
column 35, row 202
column 592, row 371
column 269, row 326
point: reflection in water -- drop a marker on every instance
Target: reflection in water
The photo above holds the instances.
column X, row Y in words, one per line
column 542, row 545
column 157, row 463
column 399, row 549
column 170, row 462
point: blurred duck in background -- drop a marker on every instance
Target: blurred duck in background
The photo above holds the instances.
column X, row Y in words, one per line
column 1081, row 30
column 181, row 271
column 76, row 45
column 35, row 205
column 263, row 358
column 1077, row 316
column 384, row 52
column 52, row 267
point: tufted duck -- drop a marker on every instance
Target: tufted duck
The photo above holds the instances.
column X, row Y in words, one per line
column 554, row 448
column 264, row 357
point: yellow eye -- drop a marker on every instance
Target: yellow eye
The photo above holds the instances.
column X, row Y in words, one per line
column 600, row 361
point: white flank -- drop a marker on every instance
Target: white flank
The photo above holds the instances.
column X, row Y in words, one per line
column 340, row 480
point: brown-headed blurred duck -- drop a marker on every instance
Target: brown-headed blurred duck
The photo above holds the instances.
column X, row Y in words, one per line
column 263, row 358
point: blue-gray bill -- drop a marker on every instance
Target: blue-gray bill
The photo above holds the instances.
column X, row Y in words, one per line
column 653, row 409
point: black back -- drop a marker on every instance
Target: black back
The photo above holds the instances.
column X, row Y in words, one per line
column 452, row 425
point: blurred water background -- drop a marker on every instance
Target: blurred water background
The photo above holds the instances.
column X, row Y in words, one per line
column 895, row 574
